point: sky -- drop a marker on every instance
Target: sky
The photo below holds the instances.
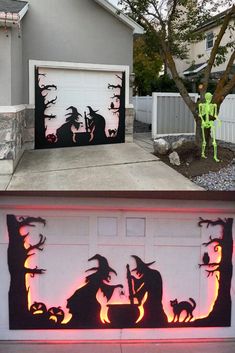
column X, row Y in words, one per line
column 114, row 2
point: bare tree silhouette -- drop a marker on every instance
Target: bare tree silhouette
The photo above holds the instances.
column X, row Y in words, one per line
column 17, row 257
column 221, row 312
column 42, row 104
column 119, row 110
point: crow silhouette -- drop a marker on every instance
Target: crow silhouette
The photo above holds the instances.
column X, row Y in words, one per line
column 206, row 258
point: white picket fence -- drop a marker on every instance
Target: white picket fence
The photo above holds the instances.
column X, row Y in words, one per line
column 143, row 108
column 168, row 114
column 227, row 115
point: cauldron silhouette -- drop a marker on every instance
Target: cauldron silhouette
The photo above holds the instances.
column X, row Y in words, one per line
column 123, row 315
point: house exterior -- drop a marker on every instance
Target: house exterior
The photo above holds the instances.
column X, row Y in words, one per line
column 199, row 52
column 107, row 268
column 70, row 35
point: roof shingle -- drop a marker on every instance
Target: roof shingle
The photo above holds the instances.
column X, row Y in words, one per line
column 12, row 6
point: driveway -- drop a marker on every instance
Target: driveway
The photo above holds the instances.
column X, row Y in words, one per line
column 129, row 166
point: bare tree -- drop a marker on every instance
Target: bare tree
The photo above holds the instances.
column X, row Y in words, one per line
column 221, row 311
column 18, row 254
column 42, row 104
column 176, row 24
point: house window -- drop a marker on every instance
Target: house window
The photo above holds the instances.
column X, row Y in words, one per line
column 209, row 40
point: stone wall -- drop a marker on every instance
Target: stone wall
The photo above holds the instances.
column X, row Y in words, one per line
column 11, row 139
column 129, row 124
column 29, row 129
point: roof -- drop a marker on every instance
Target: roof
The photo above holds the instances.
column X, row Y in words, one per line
column 195, row 68
column 212, row 22
column 137, row 29
column 12, row 11
column 12, row 6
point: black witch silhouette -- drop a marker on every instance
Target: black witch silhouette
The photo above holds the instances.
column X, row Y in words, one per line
column 65, row 133
column 148, row 290
column 83, row 305
column 96, row 125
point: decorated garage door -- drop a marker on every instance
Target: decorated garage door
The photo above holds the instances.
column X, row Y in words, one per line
column 78, row 107
column 105, row 270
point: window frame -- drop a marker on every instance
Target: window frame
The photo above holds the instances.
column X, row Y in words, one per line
column 209, row 40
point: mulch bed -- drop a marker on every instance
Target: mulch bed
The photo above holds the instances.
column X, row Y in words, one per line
column 193, row 165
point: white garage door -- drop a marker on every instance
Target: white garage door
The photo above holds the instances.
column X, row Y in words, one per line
column 78, row 107
column 119, row 269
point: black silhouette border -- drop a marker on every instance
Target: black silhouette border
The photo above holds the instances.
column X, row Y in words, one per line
column 95, row 124
column 84, row 307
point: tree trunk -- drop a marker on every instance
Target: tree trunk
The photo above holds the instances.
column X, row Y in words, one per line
column 18, row 293
column 198, row 132
column 19, row 316
column 222, row 308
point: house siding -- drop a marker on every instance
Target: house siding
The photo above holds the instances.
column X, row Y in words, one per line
column 73, row 31
column 199, row 48
column 16, row 67
column 5, row 68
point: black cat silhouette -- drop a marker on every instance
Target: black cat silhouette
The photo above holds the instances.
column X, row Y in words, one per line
column 179, row 307
column 112, row 133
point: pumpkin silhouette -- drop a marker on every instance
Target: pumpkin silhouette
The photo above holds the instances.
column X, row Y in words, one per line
column 56, row 314
column 38, row 308
column 51, row 138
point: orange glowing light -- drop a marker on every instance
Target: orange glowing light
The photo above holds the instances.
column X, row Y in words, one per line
column 104, row 316
column 66, row 319
column 214, row 285
column 170, row 317
column 215, row 295
column 104, row 309
column 141, row 308
column 37, row 312
column 23, row 230
column 27, row 278
column 53, row 318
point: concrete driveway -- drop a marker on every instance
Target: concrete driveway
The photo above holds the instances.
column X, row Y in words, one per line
column 126, row 166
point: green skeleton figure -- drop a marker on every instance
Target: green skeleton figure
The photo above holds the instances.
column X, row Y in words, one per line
column 208, row 115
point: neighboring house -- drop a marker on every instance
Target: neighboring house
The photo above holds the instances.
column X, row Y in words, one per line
column 84, row 36
column 199, row 52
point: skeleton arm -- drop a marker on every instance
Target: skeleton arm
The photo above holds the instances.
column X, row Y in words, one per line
column 201, row 112
column 216, row 114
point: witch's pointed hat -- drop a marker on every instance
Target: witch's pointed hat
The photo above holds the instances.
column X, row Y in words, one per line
column 91, row 111
column 141, row 265
column 73, row 114
column 103, row 264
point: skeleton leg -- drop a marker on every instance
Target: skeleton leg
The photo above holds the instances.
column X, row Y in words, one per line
column 214, row 143
column 203, row 143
